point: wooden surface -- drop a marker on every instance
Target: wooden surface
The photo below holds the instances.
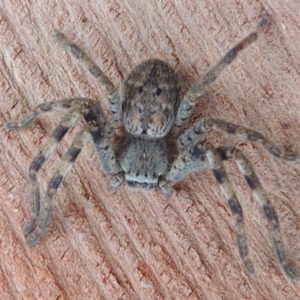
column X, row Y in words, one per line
column 125, row 244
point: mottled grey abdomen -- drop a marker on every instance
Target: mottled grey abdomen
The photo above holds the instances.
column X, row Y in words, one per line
column 150, row 98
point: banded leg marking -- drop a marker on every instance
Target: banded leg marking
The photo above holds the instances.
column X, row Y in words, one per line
column 216, row 164
column 193, row 158
column 200, row 87
column 197, row 131
column 58, row 133
column 36, row 226
column 104, row 82
column 261, row 197
column 192, row 135
column 29, row 118
column 252, row 136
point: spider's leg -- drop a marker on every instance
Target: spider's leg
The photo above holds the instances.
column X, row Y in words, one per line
column 192, row 135
column 35, row 228
column 101, row 138
column 260, row 195
column 251, row 135
column 193, row 158
column 216, row 163
column 195, row 133
column 199, row 88
column 100, row 131
column 28, row 118
column 96, row 72
column 192, row 153
column 58, row 133
column 45, row 107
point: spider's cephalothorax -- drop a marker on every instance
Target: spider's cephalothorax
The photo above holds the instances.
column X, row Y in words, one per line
column 150, row 151
column 143, row 160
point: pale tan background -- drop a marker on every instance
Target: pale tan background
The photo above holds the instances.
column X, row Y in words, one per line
column 123, row 244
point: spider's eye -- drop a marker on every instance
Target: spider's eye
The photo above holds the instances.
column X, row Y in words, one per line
column 158, row 91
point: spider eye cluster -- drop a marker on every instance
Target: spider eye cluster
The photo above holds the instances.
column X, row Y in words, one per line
column 143, row 185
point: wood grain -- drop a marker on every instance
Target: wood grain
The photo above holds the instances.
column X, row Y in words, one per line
column 124, row 244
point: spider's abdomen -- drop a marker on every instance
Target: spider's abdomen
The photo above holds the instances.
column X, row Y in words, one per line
column 150, row 99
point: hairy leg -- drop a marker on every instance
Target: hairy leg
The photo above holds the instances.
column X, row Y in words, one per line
column 193, row 158
column 96, row 72
column 252, row 136
column 254, row 184
column 196, row 132
column 29, row 118
column 36, row 226
column 58, row 133
column 97, row 125
column 190, row 99
column 216, row 163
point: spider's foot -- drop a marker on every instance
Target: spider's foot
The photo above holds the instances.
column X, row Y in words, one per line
column 29, row 226
column 249, row 266
column 11, row 125
column 33, row 230
column 292, row 156
column 33, row 236
column 290, row 271
column 21, row 124
column 264, row 21
column 59, row 36
column 32, row 239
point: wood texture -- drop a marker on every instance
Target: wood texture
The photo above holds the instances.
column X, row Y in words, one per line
column 124, row 244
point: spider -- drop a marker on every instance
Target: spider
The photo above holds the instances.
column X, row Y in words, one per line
column 149, row 149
